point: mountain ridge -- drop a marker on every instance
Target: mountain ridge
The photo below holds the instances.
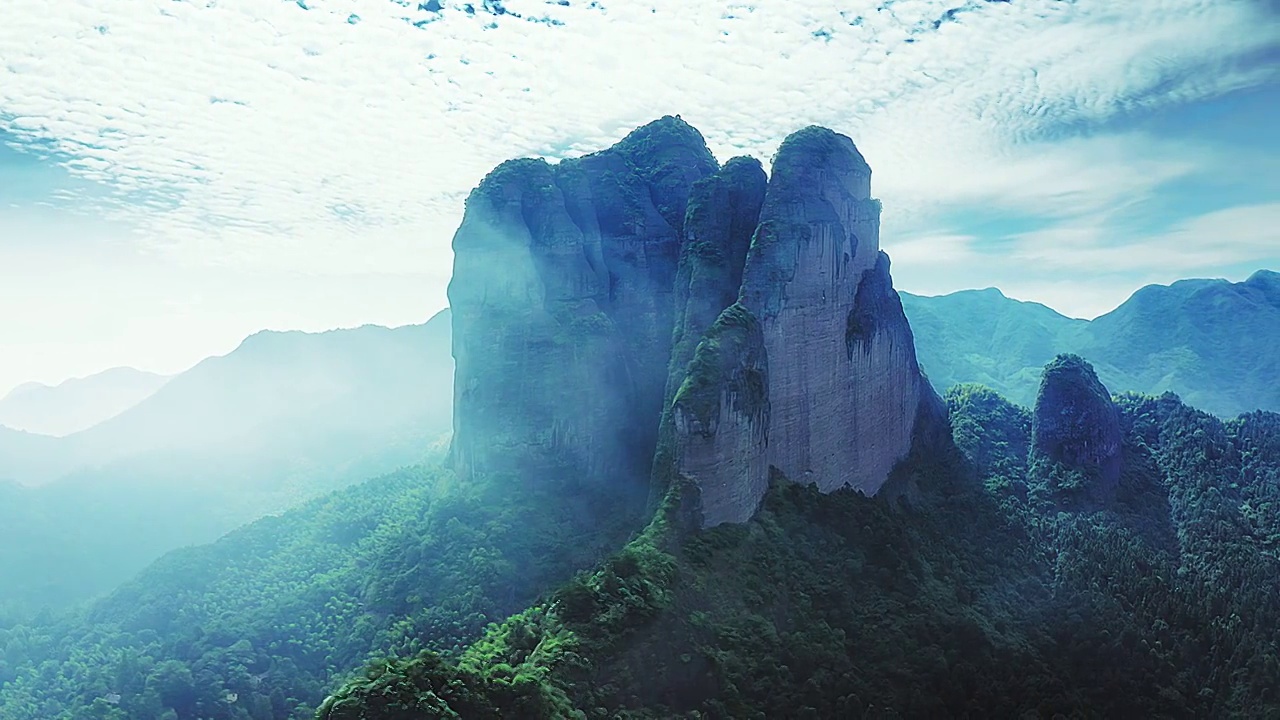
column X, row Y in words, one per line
column 77, row 403
column 1206, row 339
column 255, row 431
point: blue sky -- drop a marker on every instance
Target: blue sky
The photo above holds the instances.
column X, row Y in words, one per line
column 175, row 175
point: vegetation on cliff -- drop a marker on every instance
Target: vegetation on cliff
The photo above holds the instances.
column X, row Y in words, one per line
column 728, row 365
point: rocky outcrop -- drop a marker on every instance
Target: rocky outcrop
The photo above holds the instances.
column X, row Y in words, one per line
column 722, row 415
column 751, row 320
column 1076, row 424
column 722, row 215
column 843, row 390
column 562, row 297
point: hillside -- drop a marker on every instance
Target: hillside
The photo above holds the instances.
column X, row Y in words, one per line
column 978, row 596
column 1209, row 341
column 25, row 455
column 76, row 404
column 981, row 598
column 982, row 336
column 284, row 418
column 279, row 610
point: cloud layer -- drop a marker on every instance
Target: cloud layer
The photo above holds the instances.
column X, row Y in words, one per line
column 340, row 136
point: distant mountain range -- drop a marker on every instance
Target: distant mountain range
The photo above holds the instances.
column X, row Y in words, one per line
column 291, row 415
column 284, row 417
column 1212, row 342
column 76, row 404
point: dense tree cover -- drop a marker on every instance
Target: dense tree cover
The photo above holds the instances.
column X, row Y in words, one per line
column 981, row 590
column 986, row 595
column 260, row 624
column 284, row 418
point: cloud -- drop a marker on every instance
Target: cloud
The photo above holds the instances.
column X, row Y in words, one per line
column 1085, row 267
column 1214, row 240
column 946, row 250
column 338, row 134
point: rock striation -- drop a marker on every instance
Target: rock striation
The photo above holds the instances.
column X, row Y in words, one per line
column 645, row 292
column 1075, row 423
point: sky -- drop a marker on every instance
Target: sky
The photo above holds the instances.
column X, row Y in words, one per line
column 176, row 175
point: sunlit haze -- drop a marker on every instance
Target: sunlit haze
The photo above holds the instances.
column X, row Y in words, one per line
column 175, row 176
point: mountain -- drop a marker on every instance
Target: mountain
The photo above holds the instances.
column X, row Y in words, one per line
column 1209, row 341
column 25, row 454
column 285, row 417
column 276, row 392
column 815, row 534
column 794, row 352
column 290, row 388
column 982, row 336
column 76, row 404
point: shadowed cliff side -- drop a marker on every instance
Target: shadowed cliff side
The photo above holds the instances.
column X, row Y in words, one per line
column 562, row 297
column 1075, row 430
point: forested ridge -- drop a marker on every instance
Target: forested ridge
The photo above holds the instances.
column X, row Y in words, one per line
column 261, row 623
column 982, row 586
column 1208, row 340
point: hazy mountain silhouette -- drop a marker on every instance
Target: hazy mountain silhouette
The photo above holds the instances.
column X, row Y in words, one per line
column 76, row 404
column 284, row 417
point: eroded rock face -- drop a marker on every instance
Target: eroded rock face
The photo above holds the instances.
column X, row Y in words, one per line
column 752, row 320
column 1075, row 423
column 722, row 215
column 562, row 297
column 722, row 415
column 843, row 386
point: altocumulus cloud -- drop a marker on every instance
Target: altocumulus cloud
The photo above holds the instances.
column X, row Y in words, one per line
column 341, row 135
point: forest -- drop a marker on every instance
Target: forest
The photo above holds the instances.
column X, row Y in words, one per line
column 982, row 586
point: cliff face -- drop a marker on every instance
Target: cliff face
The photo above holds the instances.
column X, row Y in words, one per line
column 842, row 389
column 1075, row 423
column 562, row 297
column 722, row 215
column 751, row 319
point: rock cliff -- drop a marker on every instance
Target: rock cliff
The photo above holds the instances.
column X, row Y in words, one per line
column 562, row 297
column 643, row 290
column 823, row 332
column 1076, row 424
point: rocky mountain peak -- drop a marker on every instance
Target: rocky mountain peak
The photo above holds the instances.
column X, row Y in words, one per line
column 1075, row 423
column 562, row 297
column 841, row 386
column 644, row 291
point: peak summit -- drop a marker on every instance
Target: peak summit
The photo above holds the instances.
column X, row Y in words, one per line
column 1075, row 422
